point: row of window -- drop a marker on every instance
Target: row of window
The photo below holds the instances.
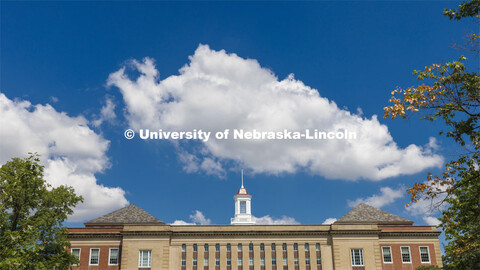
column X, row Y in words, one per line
column 357, row 255
column 144, row 257
column 250, row 259
column 250, row 247
column 94, row 258
column 405, row 253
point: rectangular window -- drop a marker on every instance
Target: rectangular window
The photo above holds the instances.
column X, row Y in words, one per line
column 262, row 247
column 184, row 248
column 284, row 261
column 205, row 247
column 195, row 262
column 405, row 251
column 184, row 262
column 94, row 256
column 295, row 247
column 145, row 258
column 217, row 247
column 240, row 247
column 262, row 261
column 284, row 247
column 243, row 207
column 357, row 257
column 319, row 260
column 274, row 247
column 295, row 261
column 195, row 248
column 113, row 256
column 387, row 254
column 307, row 247
column 424, row 254
column 307, row 261
column 217, row 261
column 76, row 253
column 229, row 247
column 274, row 261
column 250, row 247
column 229, row 261
column 205, row 262
column 240, row 261
column 250, row 261
column 317, row 247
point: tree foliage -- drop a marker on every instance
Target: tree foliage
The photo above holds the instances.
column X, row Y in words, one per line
column 31, row 217
column 451, row 93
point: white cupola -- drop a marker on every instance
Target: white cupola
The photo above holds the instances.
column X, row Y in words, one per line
column 243, row 207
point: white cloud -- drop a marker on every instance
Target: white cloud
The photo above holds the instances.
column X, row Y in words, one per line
column 329, row 221
column 194, row 164
column 432, row 221
column 54, row 99
column 216, row 91
column 197, row 218
column 283, row 220
column 71, row 152
column 107, row 113
column 182, row 223
column 386, row 196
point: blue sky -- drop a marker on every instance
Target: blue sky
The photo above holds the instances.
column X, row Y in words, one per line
column 352, row 53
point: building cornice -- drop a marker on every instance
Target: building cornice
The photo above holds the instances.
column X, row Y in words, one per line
column 350, row 232
column 147, row 233
column 409, row 233
column 77, row 235
column 197, row 233
column 226, row 233
column 249, row 233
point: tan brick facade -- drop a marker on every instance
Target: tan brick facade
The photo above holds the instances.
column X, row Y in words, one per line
column 334, row 241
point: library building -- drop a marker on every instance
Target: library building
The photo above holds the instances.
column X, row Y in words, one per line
column 365, row 238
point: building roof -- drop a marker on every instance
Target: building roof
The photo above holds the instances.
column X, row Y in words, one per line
column 242, row 191
column 364, row 213
column 131, row 214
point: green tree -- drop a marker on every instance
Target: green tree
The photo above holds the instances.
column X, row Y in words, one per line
column 452, row 93
column 31, row 217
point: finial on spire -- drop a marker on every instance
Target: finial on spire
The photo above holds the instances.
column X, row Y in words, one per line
column 242, row 178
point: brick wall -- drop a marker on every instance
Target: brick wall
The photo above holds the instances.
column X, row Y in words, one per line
column 414, row 254
column 103, row 258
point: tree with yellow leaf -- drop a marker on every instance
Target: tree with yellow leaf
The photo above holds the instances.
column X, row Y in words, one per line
column 451, row 93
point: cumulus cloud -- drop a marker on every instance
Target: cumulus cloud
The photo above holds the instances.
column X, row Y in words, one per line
column 107, row 113
column 386, row 196
column 194, row 164
column 53, row 99
column 71, row 152
column 217, row 91
column 329, row 221
column 182, row 223
column 283, row 220
column 432, row 221
column 197, row 218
